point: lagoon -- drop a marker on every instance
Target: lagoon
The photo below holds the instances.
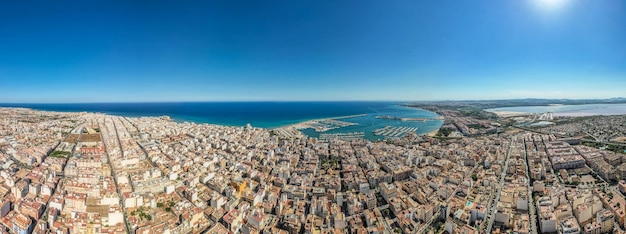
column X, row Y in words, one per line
column 567, row 110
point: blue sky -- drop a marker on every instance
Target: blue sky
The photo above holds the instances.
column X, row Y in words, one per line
column 110, row 51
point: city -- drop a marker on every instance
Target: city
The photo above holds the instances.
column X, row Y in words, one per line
column 65, row 172
column 313, row 117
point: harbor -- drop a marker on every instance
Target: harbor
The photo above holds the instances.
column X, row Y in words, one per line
column 393, row 132
column 325, row 125
column 367, row 124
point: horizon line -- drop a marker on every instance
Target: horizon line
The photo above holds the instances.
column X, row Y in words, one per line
column 277, row 101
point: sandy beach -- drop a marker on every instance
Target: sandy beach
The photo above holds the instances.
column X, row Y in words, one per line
column 432, row 134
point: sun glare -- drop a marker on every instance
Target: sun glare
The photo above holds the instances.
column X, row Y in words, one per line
column 550, row 5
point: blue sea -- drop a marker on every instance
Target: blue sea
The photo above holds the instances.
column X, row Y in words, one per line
column 261, row 114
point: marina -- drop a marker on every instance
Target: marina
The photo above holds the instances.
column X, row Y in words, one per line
column 324, row 125
column 393, row 132
column 345, row 136
column 369, row 123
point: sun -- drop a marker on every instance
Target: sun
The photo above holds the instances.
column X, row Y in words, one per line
column 550, row 5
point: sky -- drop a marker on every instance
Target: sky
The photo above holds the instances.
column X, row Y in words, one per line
column 148, row 51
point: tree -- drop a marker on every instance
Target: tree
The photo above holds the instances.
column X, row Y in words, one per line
column 474, row 177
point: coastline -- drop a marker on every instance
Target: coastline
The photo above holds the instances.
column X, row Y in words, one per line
column 432, row 134
column 183, row 119
column 299, row 125
column 293, row 126
column 268, row 115
column 295, row 129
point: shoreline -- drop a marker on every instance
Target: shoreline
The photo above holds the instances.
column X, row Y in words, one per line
column 300, row 122
column 297, row 126
column 432, row 133
column 302, row 125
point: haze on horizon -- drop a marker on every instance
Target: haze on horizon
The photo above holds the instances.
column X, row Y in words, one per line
column 103, row 51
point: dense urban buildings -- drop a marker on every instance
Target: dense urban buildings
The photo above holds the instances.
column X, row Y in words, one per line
column 96, row 173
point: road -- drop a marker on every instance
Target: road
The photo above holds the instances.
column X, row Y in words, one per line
column 532, row 211
column 490, row 213
column 117, row 188
column 141, row 146
column 56, row 185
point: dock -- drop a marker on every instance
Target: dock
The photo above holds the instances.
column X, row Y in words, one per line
column 393, row 132
column 324, row 125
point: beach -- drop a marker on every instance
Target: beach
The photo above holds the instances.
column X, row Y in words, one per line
column 432, row 134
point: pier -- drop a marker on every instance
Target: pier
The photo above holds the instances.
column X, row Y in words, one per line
column 324, row 125
column 393, row 132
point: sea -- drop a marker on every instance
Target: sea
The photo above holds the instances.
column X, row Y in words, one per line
column 569, row 110
column 264, row 114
